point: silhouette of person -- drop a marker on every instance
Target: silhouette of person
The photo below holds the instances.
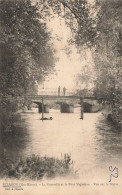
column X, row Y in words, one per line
column 59, row 90
column 64, row 90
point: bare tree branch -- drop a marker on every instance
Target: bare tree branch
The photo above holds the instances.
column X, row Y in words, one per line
column 67, row 6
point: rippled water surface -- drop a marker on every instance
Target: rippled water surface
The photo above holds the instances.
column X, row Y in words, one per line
column 93, row 142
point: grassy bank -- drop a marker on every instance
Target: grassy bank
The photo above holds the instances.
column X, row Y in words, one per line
column 36, row 168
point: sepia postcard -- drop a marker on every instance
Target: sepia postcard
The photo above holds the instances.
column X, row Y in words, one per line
column 61, row 103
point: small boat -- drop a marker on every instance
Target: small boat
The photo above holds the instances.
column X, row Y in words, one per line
column 46, row 118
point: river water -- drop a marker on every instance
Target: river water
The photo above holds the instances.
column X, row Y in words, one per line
column 94, row 144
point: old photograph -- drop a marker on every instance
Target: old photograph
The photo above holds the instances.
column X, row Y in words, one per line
column 60, row 92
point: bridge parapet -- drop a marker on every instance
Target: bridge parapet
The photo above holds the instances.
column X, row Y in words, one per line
column 68, row 92
column 53, row 91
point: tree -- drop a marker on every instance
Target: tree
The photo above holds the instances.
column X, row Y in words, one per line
column 108, row 54
column 86, row 77
column 26, row 55
column 109, row 48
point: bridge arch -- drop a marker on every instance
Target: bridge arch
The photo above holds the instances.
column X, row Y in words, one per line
column 87, row 107
column 66, row 108
column 46, row 107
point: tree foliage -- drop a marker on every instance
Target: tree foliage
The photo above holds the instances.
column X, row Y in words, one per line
column 78, row 17
column 108, row 54
column 85, row 77
column 26, row 55
column 108, row 51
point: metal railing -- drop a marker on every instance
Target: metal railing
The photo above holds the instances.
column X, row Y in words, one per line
column 68, row 92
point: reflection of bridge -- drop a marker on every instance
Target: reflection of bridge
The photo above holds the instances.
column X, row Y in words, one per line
column 45, row 99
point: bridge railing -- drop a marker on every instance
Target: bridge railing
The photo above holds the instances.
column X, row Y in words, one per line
column 68, row 92
column 55, row 92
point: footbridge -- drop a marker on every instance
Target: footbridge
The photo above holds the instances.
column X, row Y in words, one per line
column 72, row 98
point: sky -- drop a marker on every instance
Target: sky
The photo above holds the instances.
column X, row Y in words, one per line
column 67, row 67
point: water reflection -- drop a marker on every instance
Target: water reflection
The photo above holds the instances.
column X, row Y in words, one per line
column 109, row 142
column 14, row 142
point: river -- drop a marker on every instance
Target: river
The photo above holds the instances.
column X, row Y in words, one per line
column 94, row 144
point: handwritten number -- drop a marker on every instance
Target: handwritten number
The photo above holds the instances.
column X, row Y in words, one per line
column 115, row 172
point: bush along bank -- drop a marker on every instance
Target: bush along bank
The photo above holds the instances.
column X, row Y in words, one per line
column 112, row 110
column 36, row 168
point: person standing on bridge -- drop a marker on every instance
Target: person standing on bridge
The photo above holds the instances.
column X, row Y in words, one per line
column 64, row 90
column 59, row 90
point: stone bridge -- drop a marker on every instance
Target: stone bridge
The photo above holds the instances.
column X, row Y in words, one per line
column 67, row 103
